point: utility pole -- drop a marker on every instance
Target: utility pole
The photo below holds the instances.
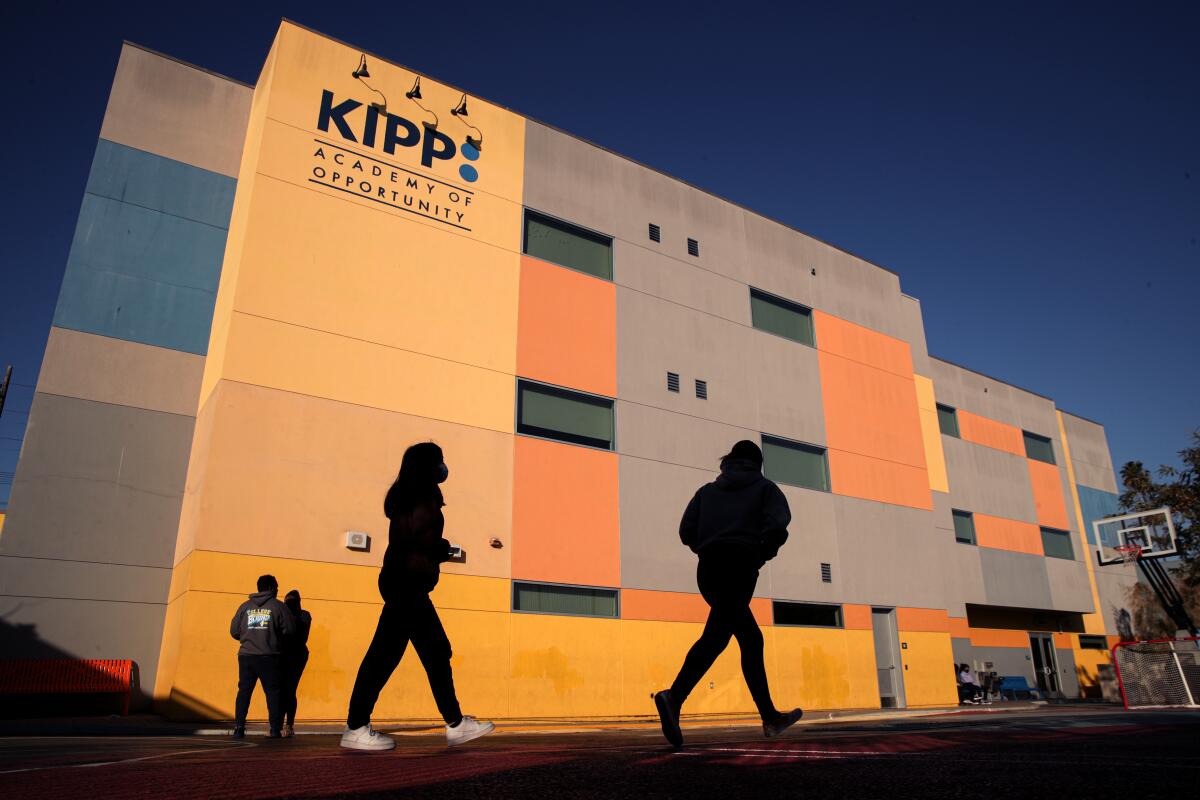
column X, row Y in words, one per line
column 4, row 387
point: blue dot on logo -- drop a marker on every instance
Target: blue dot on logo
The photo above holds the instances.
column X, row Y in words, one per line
column 468, row 173
column 469, row 152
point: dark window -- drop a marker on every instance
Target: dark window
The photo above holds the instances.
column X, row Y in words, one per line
column 826, row 573
column 1057, row 544
column 579, row 601
column 655, row 233
column 1038, row 448
column 1092, row 642
column 795, row 463
column 948, row 420
column 564, row 415
column 817, row 615
column 702, row 389
column 964, row 526
column 693, row 247
column 568, row 245
column 781, row 317
column 672, row 381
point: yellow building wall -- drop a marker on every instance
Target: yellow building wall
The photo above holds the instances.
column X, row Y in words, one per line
column 928, row 662
column 931, row 434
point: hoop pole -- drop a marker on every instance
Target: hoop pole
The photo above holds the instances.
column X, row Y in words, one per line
column 1120, row 683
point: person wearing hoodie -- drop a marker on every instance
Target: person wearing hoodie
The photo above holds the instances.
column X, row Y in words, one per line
column 411, row 568
column 260, row 624
column 735, row 525
column 294, row 658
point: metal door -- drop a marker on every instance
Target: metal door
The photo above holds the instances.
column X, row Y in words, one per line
column 1045, row 664
column 887, row 668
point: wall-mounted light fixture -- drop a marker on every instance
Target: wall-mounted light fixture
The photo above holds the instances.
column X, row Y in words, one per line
column 414, row 94
column 460, row 111
column 361, row 73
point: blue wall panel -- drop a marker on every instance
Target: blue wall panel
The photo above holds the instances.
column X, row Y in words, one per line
column 146, row 258
column 1095, row 504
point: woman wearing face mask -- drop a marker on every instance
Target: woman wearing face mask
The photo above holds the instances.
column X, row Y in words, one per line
column 294, row 656
column 411, row 567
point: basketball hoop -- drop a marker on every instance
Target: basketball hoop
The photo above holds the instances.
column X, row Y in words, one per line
column 1129, row 553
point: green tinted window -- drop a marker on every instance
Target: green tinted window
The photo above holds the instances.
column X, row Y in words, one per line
column 948, row 420
column 795, row 463
column 817, row 615
column 1038, row 447
column 781, row 317
column 564, row 415
column 1057, row 544
column 567, row 245
column 964, row 526
column 541, row 598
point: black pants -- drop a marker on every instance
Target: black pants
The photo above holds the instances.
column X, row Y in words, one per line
column 251, row 670
column 409, row 618
column 727, row 584
column 292, row 667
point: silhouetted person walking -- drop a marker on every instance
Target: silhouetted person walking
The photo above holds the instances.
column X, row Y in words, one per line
column 411, row 568
column 294, row 659
column 260, row 624
column 735, row 524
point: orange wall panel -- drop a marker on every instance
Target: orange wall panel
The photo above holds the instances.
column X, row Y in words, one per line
column 856, row 618
column 959, row 628
column 883, row 481
column 1048, row 495
column 763, row 613
column 934, row 620
column 871, row 412
column 664, row 606
column 567, row 328
column 856, row 343
column 1008, row 534
column 565, row 520
column 990, row 637
column 990, row 433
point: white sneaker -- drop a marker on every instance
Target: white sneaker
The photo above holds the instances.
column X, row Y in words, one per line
column 365, row 738
column 470, row 728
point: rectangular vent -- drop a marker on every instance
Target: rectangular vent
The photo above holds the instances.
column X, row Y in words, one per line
column 655, row 233
column 702, row 389
column 826, row 573
column 672, row 382
column 693, row 247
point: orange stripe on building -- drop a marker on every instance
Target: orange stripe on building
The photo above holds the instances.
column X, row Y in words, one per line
column 663, row 606
column 856, row 618
column 565, row 519
column 959, row 629
column 1048, row 495
column 854, row 475
column 862, row 345
column 990, row 637
column 1062, row 641
column 933, row 620
column 990, row 433
column 1008, row 534
column 567, row 328
column 761, row 608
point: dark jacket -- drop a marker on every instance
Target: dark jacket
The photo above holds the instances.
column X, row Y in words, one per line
column 415, row 551
column 740, row 511
column 297, row 642
column 260, row 624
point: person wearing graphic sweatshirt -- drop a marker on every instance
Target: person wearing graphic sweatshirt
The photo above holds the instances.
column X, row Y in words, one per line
column 261, row 624
column 735, row 525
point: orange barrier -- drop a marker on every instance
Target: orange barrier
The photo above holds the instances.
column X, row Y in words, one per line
column 68, row 676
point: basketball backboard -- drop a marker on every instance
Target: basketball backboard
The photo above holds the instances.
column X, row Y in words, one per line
column 1153, row 531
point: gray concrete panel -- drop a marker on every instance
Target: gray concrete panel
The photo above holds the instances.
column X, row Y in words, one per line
column 652, row 499
column 962, row 575
column 98, row 482
column 75, row 580
column 1113, row 584
column 1101, row 478
column 177, row 111
column 669, row 436
column 942, row 508
column 962, row 650
column 1090, row 453
column 795, row 574
column 889, row 555
column 644, row 270
column 1069, row 585
column 1067, row 676
column 914, row 333
column 988, row 481
column 1018, row 580
column 91, row 367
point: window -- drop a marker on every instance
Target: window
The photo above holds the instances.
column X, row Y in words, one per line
column 655, row 233
column 579, row 601
column 948, row 420
column 568, row 245
column 702, row 389
column 1057, row 544
column 826, row 573
column 781, row 317
column 1038, row 448
column 815, row 615
column 964, row 526
column 673, row 382
column 795, row 463
column 693, row 247
column 1092, row 642
column 564, row 415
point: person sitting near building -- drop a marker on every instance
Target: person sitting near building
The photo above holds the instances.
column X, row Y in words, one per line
column 260, row 624
column 969, row 691
column 294, row 658
column 411, row 568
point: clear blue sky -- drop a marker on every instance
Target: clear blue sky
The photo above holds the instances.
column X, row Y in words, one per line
column 1031, row 170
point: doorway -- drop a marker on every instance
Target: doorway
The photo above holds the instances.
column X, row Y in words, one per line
column 887, row 658
column 1045, row 664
